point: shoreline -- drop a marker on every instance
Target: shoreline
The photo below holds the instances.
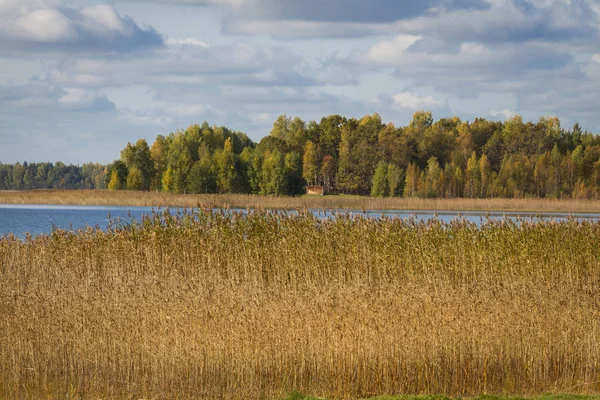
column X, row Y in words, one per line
column 341, row 202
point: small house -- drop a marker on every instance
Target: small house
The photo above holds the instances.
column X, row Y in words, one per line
column 316, row 189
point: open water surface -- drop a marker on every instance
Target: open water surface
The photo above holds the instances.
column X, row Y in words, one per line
column 42, row 219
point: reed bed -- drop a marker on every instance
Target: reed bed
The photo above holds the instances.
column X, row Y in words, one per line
column 161, row 199
column 225, row 305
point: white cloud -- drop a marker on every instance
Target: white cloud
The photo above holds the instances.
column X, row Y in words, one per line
column 144, row 118
column 453, row 56
column 462, row 67
column 414, row 101
column 507, row 114
column 44, row 25
column 187, row 42
column 389, row 52
column 76, row 98
column 40, row 97
column 103, row 20
column 300, row 29
column 239, row 63
column 226, row 3
column 502, row 18
column 27, row 25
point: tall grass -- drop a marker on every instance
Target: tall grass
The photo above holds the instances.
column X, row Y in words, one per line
column 223, row 305
column 132, row 198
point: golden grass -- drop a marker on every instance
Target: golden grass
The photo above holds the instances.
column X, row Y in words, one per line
column 131, row 198
column 210, row 305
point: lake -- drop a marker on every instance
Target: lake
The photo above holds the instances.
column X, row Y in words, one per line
column 40, row 219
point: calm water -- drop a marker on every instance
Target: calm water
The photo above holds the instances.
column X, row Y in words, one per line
column 40, row 219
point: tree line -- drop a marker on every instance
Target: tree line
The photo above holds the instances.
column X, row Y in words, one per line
column 427, row 158
column 45, row 175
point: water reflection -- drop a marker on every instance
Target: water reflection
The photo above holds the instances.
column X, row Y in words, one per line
column 41, row 219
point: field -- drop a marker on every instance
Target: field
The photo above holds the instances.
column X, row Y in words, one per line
column 131, row 198
column 219, row 305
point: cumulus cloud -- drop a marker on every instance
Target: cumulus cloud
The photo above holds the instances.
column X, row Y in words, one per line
column 414, row 101
column 187, row 42
column 390, row 52
column 462, row 67
column 322, row 18
column 192, row 62
column 507, row 114
column 81, row 99
column 473, row 20
column 510, row 21
column 465, row 57
column 24, row 98
column 48, row 25
column 375, row 11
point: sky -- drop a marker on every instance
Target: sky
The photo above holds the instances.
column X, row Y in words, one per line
column 81, row 78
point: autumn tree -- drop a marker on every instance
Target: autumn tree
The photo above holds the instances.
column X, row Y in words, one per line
column 117, row 176
column 138, row 158
column 473, row 177
column 311, row 163
column 486, row 175
column 328, row 171
column 158, row 154
column 135, row 179
column 225, row 166
column 411, row 187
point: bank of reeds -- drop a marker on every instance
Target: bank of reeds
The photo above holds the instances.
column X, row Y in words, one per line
column 219, row 305
column 160, row 199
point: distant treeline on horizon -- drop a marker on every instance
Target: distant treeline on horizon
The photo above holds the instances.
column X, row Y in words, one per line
column 447, row 158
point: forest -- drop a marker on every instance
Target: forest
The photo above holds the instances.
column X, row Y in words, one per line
column 448, row 158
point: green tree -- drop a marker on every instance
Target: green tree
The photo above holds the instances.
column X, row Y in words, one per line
column 180, row 162
column 346, row 180
column 254, row 171
column 421, row 120
column 282, row 127
column 395, row 176
column 225, row 166
column 437, row 142
column 273, row 174
column 330, row 133
column 380, row 186
column 358, row 161
column 117, row 176
column 311, row 163
column 139, row 157
column 201, row 178
column 293, row 170
column 396, row 147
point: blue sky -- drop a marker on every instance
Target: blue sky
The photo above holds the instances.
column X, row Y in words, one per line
column 81, row 78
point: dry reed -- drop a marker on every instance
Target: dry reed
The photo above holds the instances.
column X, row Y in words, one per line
column 220, row 305
column 132, row 198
